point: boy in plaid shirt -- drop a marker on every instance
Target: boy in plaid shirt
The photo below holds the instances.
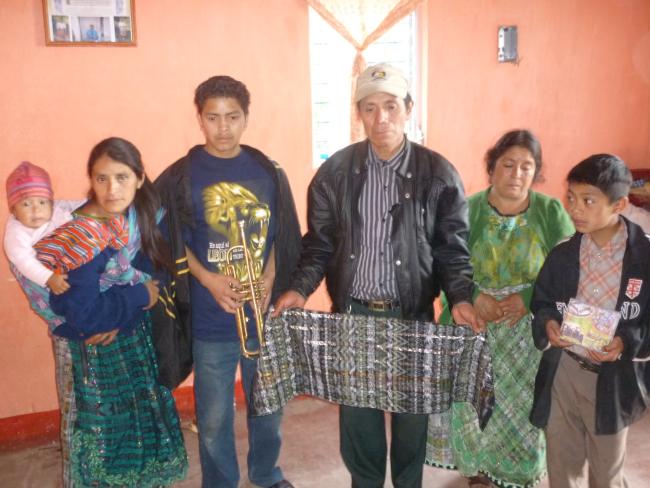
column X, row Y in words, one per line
column 585, row 399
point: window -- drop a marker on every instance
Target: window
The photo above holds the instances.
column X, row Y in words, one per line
column 331, row 64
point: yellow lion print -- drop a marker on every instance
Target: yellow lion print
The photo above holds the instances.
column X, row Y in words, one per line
column 227, row 203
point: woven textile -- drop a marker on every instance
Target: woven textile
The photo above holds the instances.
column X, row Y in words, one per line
column 389, row 364
column 79, row 241
column 119, row 270
column 39, row 299
column 65, row 394
column 126, row 430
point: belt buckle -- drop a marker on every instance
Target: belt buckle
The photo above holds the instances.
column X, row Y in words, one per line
column 381, row 305
column 584, row 364
column 378, row 305
column 592, row 368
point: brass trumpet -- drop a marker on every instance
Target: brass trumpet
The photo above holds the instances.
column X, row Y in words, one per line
column 252, row 290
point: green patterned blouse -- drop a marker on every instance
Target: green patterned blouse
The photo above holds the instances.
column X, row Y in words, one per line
column 508, row 251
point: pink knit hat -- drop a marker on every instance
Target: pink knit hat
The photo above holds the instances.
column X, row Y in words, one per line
column 28, row 180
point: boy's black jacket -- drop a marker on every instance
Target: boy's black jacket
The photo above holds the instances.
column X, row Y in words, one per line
column 622, row 388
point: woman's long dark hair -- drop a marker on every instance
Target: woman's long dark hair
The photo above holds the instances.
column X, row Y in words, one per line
column 146, row 201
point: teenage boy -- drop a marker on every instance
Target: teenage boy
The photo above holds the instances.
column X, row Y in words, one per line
column 586, row 400
column 206, row 193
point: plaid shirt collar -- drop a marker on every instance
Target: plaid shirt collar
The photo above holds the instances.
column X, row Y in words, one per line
column 612, row 249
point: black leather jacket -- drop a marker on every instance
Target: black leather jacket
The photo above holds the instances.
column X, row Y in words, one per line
column 429, row 233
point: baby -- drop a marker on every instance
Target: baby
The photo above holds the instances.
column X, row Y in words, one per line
column 34, row 215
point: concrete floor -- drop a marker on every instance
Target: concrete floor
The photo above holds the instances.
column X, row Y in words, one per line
column 309, row 458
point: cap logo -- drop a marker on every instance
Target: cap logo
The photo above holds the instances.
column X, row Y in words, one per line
column 378, row 75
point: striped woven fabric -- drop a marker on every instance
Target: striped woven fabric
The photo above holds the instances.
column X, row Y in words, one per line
column 79, row 241
column 389, row 364
column 126, row 431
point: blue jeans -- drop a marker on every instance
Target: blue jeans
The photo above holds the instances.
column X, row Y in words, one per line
column 215, row 365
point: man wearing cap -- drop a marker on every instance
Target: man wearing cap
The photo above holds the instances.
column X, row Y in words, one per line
column 387, row 228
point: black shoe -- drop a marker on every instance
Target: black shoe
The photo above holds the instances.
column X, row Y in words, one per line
column 282, row 484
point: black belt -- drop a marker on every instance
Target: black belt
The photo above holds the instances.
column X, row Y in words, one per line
column 583, row 363
column 377, row 305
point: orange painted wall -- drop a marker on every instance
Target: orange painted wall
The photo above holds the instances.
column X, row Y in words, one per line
column 582, row 84
column 57, row 102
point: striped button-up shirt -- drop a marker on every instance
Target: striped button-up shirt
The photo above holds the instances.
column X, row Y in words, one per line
column 375, row 276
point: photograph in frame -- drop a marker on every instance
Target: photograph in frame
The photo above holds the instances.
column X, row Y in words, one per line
column 89, row 22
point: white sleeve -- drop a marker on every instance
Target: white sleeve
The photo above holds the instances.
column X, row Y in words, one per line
column 639, row 216
column 68, row 206
column 19, row 250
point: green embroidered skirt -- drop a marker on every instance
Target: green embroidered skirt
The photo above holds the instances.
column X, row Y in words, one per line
column 127, row 431
column 510, row 451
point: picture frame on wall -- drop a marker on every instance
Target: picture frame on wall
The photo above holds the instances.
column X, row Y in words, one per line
column 89, row 22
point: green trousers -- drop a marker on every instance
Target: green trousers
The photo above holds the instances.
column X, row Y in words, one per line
column 363, row 439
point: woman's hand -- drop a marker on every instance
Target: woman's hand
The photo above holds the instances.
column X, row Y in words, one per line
column 611, row 352
column 103, row 338
column 553, row 334
column 513, row 309
column 58, row 283
column 488, row 308
column 152, row 288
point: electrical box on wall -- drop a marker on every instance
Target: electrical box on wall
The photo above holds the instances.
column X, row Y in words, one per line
column 507, row 43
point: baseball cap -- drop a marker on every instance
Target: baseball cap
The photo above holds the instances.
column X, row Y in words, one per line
column 381, row 78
